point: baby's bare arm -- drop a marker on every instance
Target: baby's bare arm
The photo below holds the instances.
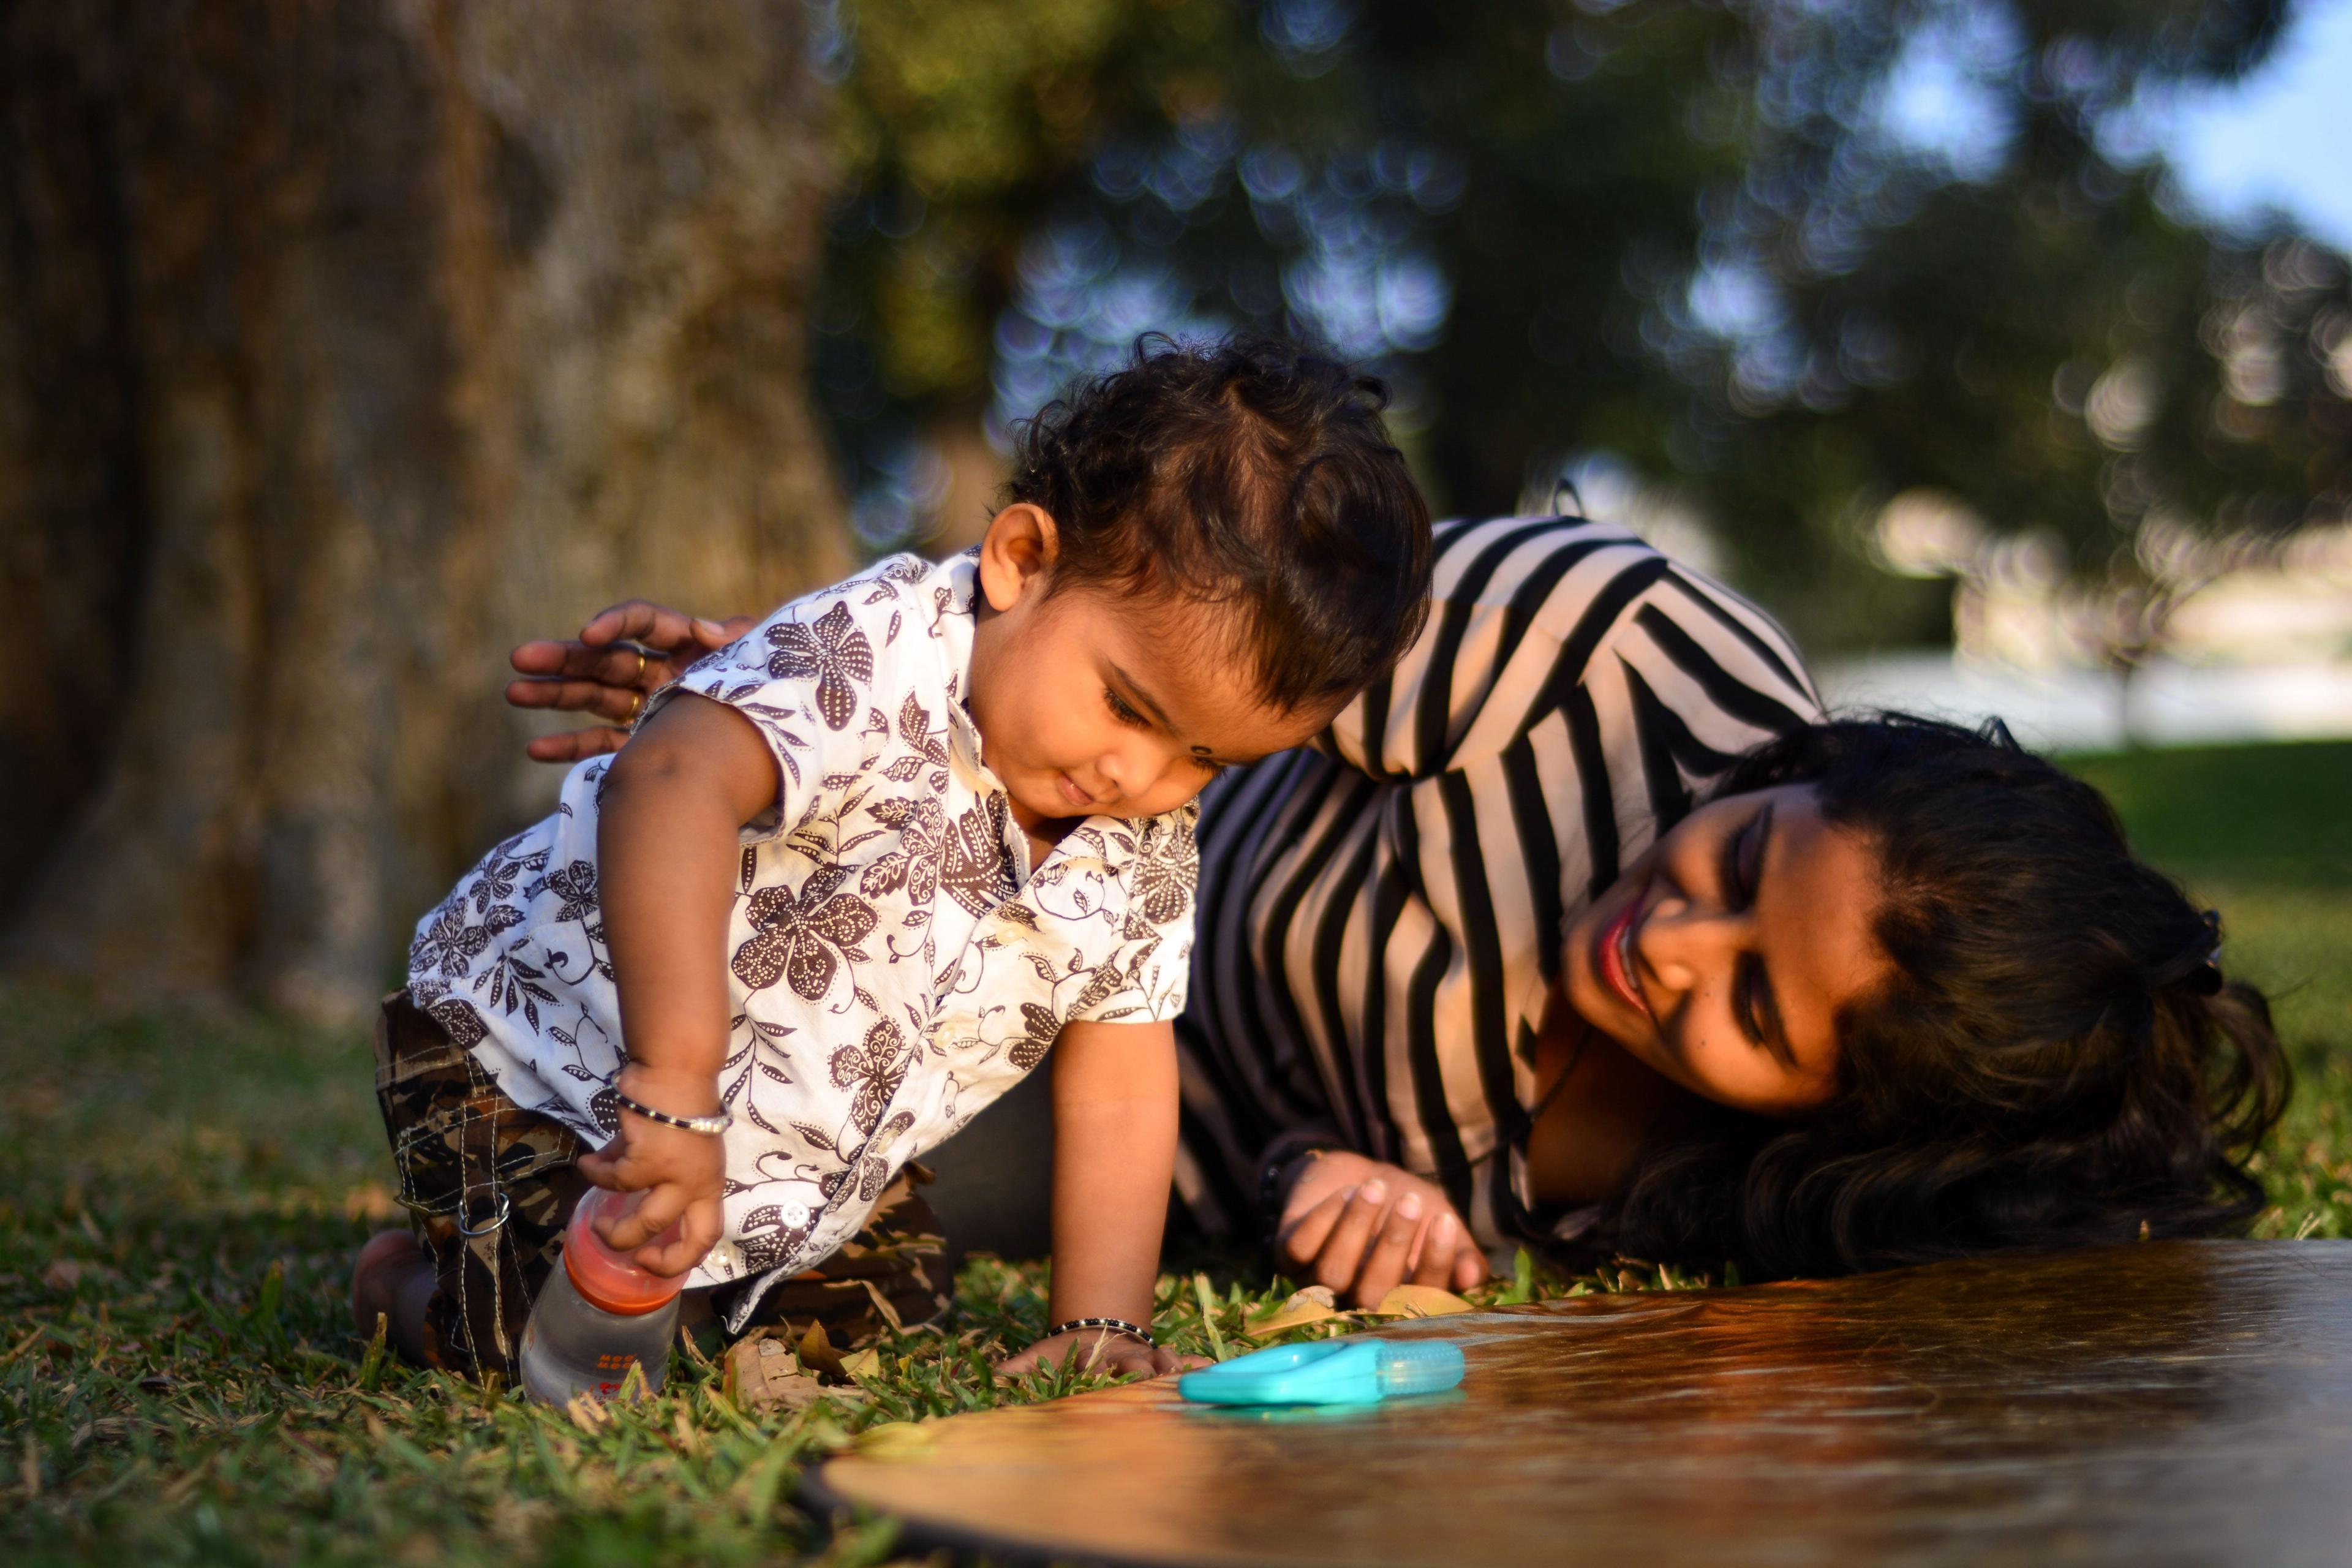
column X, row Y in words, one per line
column 666, row 849
column 1114, row 1156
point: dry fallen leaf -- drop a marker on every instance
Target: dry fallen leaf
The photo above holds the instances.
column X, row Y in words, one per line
column 762, row 1374
column 797, row 1391
column 817, row 1355
column 1312, row 1305
column 884, row 1305
column 768, row 1348
column 1420, row 1301
column 864, row 1364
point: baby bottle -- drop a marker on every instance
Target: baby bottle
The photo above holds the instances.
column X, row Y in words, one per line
column 599, row 1315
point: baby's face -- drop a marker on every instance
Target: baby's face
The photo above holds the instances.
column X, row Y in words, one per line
column 1086, row 704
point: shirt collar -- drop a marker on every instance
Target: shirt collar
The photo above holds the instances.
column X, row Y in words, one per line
column 958, row 577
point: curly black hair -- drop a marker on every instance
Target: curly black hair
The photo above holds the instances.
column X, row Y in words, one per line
column 2057, row 1059
column 1249, row 474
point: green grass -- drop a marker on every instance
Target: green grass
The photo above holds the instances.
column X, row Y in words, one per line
column 180, row 1198
column 179, row 1382
column 2264, row 835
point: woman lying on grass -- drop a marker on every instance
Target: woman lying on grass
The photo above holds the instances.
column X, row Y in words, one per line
column 1588, row 930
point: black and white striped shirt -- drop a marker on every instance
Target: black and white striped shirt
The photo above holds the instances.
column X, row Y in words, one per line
column 1381, row 917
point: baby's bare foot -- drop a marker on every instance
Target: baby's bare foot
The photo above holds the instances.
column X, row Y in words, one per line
column 393, row 1278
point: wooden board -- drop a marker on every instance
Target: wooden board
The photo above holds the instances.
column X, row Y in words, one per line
column 2168, row 1403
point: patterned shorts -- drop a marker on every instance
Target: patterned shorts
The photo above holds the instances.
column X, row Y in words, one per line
column 488, row 1186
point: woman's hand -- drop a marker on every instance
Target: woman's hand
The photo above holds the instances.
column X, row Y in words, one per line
column 681, row 1175
column 625, row 653
column 1098, row 1350
column 1363, row 1228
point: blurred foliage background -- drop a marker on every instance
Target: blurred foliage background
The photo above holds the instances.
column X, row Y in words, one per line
column 355, row 342
column 1690, row 244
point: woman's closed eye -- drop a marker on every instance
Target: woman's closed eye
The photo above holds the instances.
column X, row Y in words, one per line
column 1744, row 989
column 1752, row 1007
column 1738, row 888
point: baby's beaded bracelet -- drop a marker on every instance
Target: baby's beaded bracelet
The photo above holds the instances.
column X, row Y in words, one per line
column 1108, row 1325
column 710, row 1126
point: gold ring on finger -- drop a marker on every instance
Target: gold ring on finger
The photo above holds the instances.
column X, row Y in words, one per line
column 636, row 705
column 638, row 679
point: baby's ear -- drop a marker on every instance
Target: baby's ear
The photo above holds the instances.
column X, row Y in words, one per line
column 1016, row 554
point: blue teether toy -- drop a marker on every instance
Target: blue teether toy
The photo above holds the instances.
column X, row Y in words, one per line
column 1328, row 1371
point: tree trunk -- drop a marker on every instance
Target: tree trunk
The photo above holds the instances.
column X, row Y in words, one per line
column 364, row 338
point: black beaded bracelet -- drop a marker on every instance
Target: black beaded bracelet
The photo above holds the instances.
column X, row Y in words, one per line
column 1108, row 1325
column 711, row 1126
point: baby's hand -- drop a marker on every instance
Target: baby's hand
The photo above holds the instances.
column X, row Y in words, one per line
column 1098, row 1351
column 681, row 1175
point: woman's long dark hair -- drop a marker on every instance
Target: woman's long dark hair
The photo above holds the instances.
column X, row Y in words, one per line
column 2057, row 1059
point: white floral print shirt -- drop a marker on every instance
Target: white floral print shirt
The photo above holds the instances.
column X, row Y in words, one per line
column 895, row 962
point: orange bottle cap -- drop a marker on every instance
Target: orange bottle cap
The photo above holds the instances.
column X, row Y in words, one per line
column 607, row 1278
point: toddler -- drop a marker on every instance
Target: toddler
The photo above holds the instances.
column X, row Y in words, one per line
column 857, row 871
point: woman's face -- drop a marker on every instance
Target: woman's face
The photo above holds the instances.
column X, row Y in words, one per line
column 1722, row 956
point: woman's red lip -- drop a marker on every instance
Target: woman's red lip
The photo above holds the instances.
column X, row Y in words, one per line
column 1611, row 958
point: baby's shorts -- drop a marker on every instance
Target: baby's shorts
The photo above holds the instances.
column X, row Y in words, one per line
column 489, row 1185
